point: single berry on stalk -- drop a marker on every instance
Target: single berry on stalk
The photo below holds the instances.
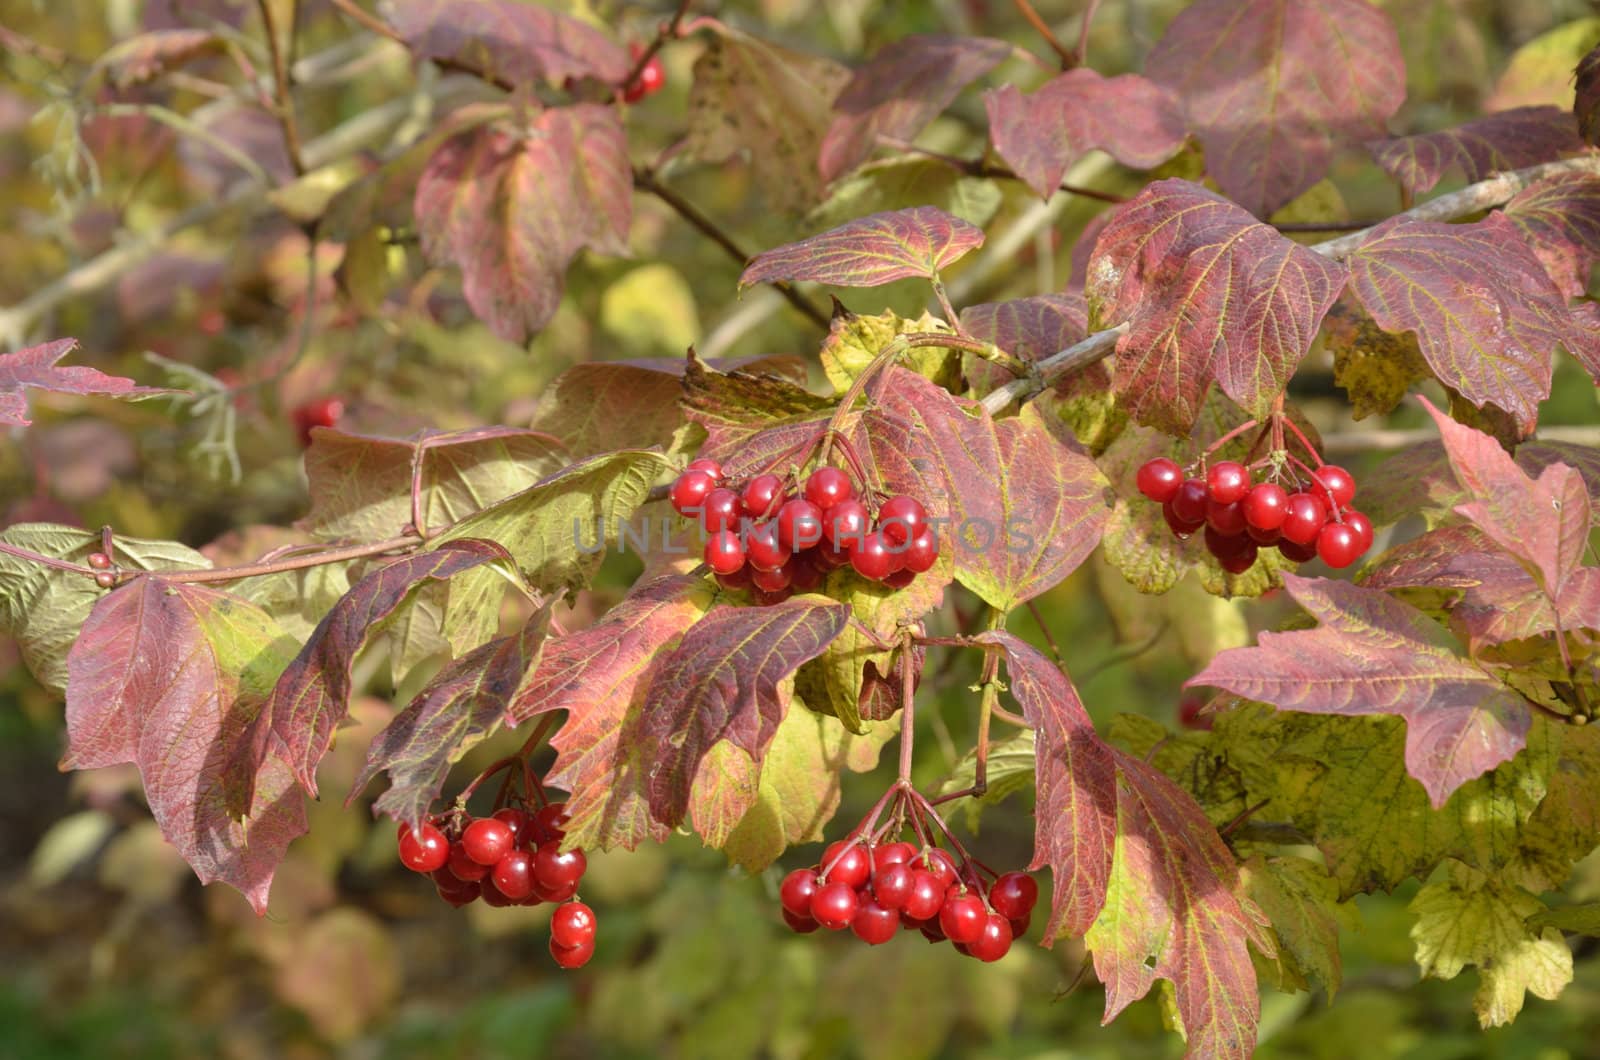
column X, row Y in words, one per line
column 1159, row 479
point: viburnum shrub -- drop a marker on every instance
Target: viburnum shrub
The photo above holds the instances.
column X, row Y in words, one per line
column 815, row 543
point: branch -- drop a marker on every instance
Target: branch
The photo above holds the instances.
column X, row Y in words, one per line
column 1025, row 9
column 977, row 167
column 284, row 102
column 1474, row 197
column 367, row 20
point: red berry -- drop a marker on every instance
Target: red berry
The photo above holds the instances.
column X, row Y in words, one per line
column 900, row 519
column 1227, row 482
column 461, row 894
column 845, row 524
column 573, row 956
column 799, row 525
column 516, row 820
column 1189, row 503
column 322, row 412
column 804, row 574
column 99, row 560
column 873, row 924
column 720, row 510
column 1020, row 927
column 933, row 932
column 492, row 897
column 853, row 866
column 1263, row 537
column 513, row 875
column 706, row 464
column 800, row 925
column 650, row 80
column 1241, row 560
column 737, row 582
column 1336, row 483
column 556, row 868
column 572, row 925
column 1181, row 528
column 424, row 849
column 1361, row 525
column 900, row 579
column 828, row 486
column 994, row 941
column 1223, row 545
column 463, row 868
column 927, row 896
column 771, row 581
column 1305, row 518
column 1265, row 506
column 105, row 579
column 724, row 552
column 760, row 495
column 761, row 548
column 487, row 840
column 1159, row 479
column 796, row 891
column 549, row 823
column 921, row 552
column 1339, row 545
column 547, row 893
column 1013, row 895
column 871, row 557
column 690, row 490
column 941, row 864
column 888, row 854
column 891, row 885
column 1297, row 553
column 766, row 599
column 834, row 905
column 1226, row 518
column 962, row 916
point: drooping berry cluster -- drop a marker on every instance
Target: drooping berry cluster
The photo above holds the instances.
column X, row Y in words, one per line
column 1304, row 519
column 775, row 537
column 876, row 891
column 511, row 858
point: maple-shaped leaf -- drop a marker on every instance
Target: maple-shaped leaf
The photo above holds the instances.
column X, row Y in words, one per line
column 312, row 697
column 513, row 206
column 462, row 706
column 1273, row 87
column 36, row 368
column 171, row 677
column 601, row 676
column 1511, row 139
column 1041, row 134
column 1543, row 522
column 1470, row 918
column 854, row 339
column 1373, row 654
column 877, row 249
column 900, row 90
column 725, row 682
column 146, row 56
column 737, row 406
column 509, row 42
column 361, row 485
column 600, row 406
column 1486, row 315
column 1560, row 219
column 1024, row 505
column 1301, row 901
column 1586, row 102
column 1209, row 294
column 1376, row 368
column 1419, row 481
column 755, row 98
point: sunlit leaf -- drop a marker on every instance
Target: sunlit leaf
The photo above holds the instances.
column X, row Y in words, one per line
column 1560, row 219
column 509, row 41
column 35, row 368
column 870, row 251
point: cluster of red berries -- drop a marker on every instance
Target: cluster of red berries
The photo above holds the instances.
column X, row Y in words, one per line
column 876, row 891
column 765, row 537
column 1311, row 519
column 511, row 858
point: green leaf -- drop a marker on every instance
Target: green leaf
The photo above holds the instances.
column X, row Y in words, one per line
column 898, row 183
column 853, row 341
column 1579, row 919
column 602, row 406
column 1010, row 770
column 1301, row 900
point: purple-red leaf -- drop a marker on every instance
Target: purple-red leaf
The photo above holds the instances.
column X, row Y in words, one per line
column 877, row 249
column 1486, row 316
column 725, row 682
column 512, row 208
column 601, row 676
column 171, row 677
column 1040, row 135
column 36, row 368
column 1209, row 294
column 313, row 695
column 1543, row 522
column 1033, row 329
column 1560, row 219
column 1586, row 102
column 1373, row 654
column 509, row 42
column 1272, row 87
column 460, row 707
column 900, row 90
column 1508, row 140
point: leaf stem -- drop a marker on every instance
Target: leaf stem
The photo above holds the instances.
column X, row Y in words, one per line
column 284, row 101
column 47, row 561
column 257, row 570
column 367, row 20
column 1029, row 15
column 908, row 707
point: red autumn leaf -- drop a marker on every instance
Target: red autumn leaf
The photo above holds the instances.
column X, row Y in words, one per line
column 877, row 249
column 512, row 208
column 601, row 677
column 508, row 41
column 1486, row 316
column 1560, row 219
column 1040, row 135
column 170, row 677
column 1273, row 87
column 1138, row 866
column 1511, row 139
column 1420, row 479
column 146, row 56
column 724, row 682
column 1209, row 294
column 1014, row 501
column 1586, row 102
column 461, row 706
column 360, row 485
column 313, row 695
column 1543, row 522
column 900, row 90
column 1033, row 329
column 35, row 368
column 738, row 406
column 1373, row 654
